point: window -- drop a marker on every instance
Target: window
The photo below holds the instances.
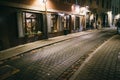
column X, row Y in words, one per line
column 102, row 3
column 54, row 19
column 77, row 22
column 30, row 23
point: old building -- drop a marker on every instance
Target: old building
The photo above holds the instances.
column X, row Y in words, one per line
column 23, row 21
column 115, row 11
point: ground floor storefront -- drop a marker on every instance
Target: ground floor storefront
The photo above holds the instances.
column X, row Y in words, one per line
column 19, row 26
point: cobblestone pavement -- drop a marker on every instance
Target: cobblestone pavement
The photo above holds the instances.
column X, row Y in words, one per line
column 104, row 64
column 49, row 63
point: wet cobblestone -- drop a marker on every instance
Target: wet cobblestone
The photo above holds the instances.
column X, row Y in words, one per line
column 52, row 62
column 104, row 65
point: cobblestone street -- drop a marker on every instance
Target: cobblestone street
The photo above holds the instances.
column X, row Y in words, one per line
column 104, row 64
column 59, row 39
column 54, row 61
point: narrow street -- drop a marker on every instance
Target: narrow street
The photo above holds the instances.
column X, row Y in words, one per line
column 59, row 39
column 52, row 62
column 104, row 63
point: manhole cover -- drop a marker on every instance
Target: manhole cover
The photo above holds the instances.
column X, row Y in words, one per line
column 6, row 71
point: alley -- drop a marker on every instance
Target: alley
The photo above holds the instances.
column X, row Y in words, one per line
column 50, row 62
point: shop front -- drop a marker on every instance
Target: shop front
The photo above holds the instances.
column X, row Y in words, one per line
column 58, row 24
column 23, row 22
column 32, row 26
column 19, row 26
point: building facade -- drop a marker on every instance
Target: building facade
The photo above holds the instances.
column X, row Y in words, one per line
column 115, row 11
column 23, row 21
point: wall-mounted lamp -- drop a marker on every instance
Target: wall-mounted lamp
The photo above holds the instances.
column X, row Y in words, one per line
column 75, row 8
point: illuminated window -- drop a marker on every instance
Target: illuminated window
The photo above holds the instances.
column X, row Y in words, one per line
column 54, row 18
column 30, row 23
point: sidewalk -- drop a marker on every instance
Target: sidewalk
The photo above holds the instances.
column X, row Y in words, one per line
column 18, row 50
column 103, row 63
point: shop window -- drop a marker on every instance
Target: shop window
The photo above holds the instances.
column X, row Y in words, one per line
column 62, row 22
column 54, row 19
column 30, row 23
column 67, row 21
column 77, row 22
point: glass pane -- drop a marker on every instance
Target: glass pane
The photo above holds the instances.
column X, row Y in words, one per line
column 24, row 20
column 30, row 15
column 28, row 26
column 28, row 22
column 33, row 24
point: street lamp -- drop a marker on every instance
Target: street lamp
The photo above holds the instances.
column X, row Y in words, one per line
column 75, row 7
